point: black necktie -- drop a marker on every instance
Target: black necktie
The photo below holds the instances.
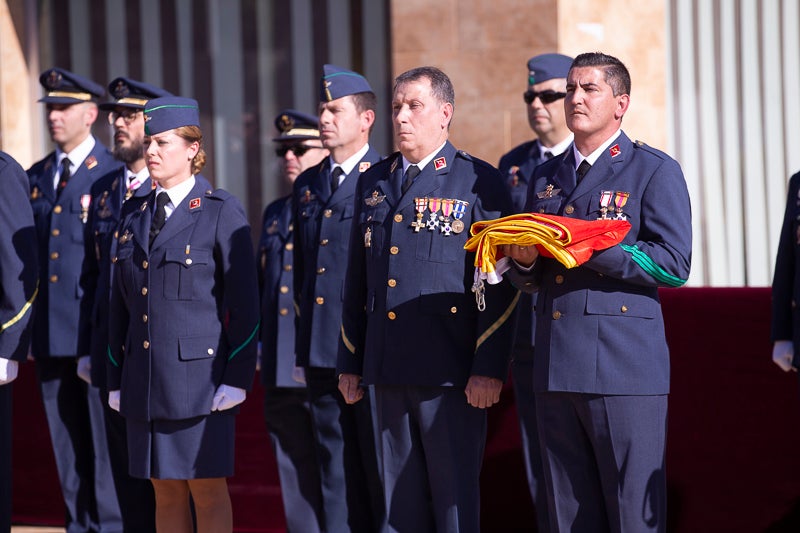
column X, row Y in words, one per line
column 335, row 176
column 411, row 172
column 583, row 168
column 547, row 155
column 63, row 177
column 160, row 216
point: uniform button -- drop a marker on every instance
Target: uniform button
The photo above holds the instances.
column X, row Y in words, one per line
column 53, row 279
column 394, row 250
column 391, row 315
column 559, row 279
column 569, row 210
column 624, row 308
column 321, row 270
column 116, row 235
column 287, row 268
column 328, row 213
column 284, row 311
column 289, row 245
column 188, row 260
column 144, row 291
column 454, row 309
column 392, row 282
column 320, row 300
column 56, row 232
column 144, row 318
column 146, row 344
column 210, row 351
column 556, row 315
column 291, row 227
column 54, row 255
column 145, row 264
column 323, row 242
column 57, row 209
column 284, row 289
column 114, row 259
column 398, row 217
column 541, row 209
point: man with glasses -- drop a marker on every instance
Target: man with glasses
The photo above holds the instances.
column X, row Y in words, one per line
column 134, row 496
column 60, row 195
column 544, row 101
column 286, row 406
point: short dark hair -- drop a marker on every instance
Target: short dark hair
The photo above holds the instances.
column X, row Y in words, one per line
column 365, row 101
column 441, row 86
column 616, row 73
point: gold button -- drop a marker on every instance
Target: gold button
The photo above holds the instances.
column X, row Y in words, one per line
column 398, row 217
column 287, row 268
column 321, row 270
column 328, row 213
column 320, row 300
column 53, row 278
column 391, row 315
column 291, row 227
column 284, row 311
column 556, row 315
column 116, row 235
column 394, row 250
column 323, row 242
column 210, row 351
column 57, row 209
column 541, row 209
column 56, row 232
column 289, row 245
column 454, row 309
column 569, row 210
column 146, row 344
column 144, row 318
column 145, row 264
column 284, row 289
column 144, row 291
column 54, row 255
column 624, row 308
column 559, row 279
column 114, row 259
column 188, row 260
column 392, row 282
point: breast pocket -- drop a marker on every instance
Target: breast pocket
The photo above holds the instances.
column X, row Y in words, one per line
column 182, row 271
column 371, row 226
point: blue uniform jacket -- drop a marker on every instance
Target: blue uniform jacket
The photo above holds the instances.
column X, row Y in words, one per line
column 410, row 317
column 786, row 281
column 276, row 285
column 184, row 314
column 599, row 327
column 18, row 265
column 321, row 236
column 60, row 227
column 108, row 195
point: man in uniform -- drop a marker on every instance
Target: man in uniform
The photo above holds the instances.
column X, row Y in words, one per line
column 286, row 408
column 18, row 277
column 411, row 325
column 601, row 371
column 60, row 195
column 544, row 99
column 323, row 203
column 126, row 116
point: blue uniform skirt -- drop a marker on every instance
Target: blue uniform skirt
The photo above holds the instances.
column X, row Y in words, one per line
column 193, row 448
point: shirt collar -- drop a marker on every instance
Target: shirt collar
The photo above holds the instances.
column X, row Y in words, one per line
column 78, row 154
column 179, row 191
column 350, row 163
column 594, row 156
column 424, row 161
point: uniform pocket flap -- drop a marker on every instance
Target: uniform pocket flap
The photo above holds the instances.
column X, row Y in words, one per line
column 621, row 304
column 190, row 348
column 193, row 257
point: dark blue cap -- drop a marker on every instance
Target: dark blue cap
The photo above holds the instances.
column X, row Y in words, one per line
column 131, row 93
column 64, row 87
column 548, row 66
column 337, row 82
column 295, row 125
column 170, row 112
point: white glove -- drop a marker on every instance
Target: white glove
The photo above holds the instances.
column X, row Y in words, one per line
column 227, row 397
column 782, row 354
column 113, row 399
column 85, row 368
column 299, row 374
column 8, row 370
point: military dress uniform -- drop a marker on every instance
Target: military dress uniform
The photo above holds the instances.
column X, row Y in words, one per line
column 785, row 282
column 344, row 434
column 601, row 351
column 183, row 321
column 18, row 289
column 74, row 410
column 411, row 327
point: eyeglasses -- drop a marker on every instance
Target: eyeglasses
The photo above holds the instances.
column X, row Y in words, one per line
column 299, row 150
column 128, row 115
column 547, row 97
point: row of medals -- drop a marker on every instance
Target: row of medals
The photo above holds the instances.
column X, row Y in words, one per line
column 441, row 222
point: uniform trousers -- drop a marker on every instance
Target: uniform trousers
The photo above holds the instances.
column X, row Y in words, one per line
column 288, row 417
column 432, row 442
column 344, row 438
column 76, row 419
column 604, row 459
column 5, row 458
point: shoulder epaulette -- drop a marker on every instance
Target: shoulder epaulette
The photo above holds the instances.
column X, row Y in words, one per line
column 218, row 194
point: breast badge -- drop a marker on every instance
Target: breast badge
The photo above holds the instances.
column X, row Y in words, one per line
column 548, row 192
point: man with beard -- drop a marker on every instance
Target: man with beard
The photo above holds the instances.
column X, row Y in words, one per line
column 108, row 194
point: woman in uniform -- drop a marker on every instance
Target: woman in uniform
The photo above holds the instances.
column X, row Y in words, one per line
column 183, row 325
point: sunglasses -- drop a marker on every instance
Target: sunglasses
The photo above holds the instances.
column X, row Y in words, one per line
column 547, row 97
column 298, row 150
